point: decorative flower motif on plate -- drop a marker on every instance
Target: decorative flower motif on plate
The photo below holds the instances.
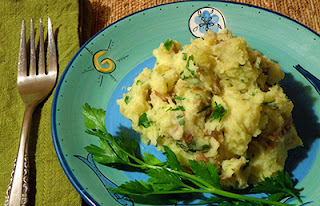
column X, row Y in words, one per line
column 205, row 19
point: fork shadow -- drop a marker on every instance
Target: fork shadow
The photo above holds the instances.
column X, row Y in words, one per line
column 32, row 148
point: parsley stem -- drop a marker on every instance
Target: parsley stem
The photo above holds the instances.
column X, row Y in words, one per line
column 215, row 191
column 242, row 197
column 295, row 196
column 125, row 154
column 208, row 188
column 199, row 182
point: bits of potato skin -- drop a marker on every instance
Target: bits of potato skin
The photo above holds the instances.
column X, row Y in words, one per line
column 216, row 100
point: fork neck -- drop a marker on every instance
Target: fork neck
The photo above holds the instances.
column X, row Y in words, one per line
column 26, row 124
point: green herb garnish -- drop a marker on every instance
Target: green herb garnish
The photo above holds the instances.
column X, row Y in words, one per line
column 179, row 116
column 179, row 98
column 188, row 65
column 127, row 99
column 184, row 56
column 247, row 163
column 182, row 122
column 218, row 112
column 185, row 78
column 258, row 64
column 169, row 177
column 278, row 187
column 205, row 146
column 179, row 108
column 168, row 44
column 192, row 147
column 144, row 121
column 176, row 109
column 188, row 62
column 203, row 109
column 272, row 104
column 269, row 103
column 184, row 147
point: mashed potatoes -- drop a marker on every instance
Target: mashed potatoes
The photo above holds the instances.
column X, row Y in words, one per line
column 217, row 101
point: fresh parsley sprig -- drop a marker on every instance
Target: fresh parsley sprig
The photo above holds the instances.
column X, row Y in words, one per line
column 170, row 177
column 278, row 187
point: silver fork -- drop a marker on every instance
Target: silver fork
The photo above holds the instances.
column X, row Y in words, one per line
column 34, row 84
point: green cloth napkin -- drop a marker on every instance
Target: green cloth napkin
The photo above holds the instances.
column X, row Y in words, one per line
column 47, row 182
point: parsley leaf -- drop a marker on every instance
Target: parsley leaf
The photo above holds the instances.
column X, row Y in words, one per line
column 184, row 147
column 190, row 58
column 280, row 184
column 179, row 116
column 144, row 121
column 106, row 153
column 205, row 146
column 182, row 122
column 127, row 99
column 218, row 112
column 184, row 56
column 203, row 109
column 169, row 177
column 128, row 144
column 179, row 98
column 103, row 155
column 272, row 104
column 162, row 179
column 168, row 44
column 172, row 159
column 152, row 160
column 94, row 118
column 185, row 78
column 176, row 109
column 208, row 173
column 179, row 108
column 138, row 82
column 278, row 196
column 133, row 187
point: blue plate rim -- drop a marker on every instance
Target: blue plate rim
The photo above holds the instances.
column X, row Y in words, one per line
column 87, row 197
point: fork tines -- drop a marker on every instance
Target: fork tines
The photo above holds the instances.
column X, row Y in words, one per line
column 52, row 62
column 33, row 86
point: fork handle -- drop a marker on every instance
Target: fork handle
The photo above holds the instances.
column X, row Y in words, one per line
column 25, row 189
column 17, row 192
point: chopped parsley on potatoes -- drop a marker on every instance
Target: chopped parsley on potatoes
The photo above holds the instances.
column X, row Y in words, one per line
column 216, row 100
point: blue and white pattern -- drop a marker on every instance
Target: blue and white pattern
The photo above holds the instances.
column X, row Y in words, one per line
column 205, row 19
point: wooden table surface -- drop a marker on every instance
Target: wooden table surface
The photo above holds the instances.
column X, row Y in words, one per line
column 105, row 12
